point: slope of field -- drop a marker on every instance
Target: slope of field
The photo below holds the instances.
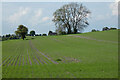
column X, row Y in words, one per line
column 88, row 55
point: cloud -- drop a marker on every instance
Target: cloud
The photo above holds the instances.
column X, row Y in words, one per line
column 117, row 0
column 114, row 8
column 45, row 19
column 102, row 17
column 35, row 19
column 18, row 15
column 38, row 13
column 38, row 18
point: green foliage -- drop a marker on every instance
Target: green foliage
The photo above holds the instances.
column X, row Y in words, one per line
column 59, row 59
column 32, row 33
column 22, row 31
column 105, row 29
column 93, row 30
column 113, row 28
column 50, row 32
column 44, row 34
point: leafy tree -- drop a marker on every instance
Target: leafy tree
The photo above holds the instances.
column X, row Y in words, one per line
column 22, row 31
column 44, row 34
column 93, row 30
column 113, row 28
column 32, row 33
column 105, row 29
column 71, row 17
column 50, row 32
column 60, row 31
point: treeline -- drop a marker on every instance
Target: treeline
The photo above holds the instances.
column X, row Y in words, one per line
column 13, row 36
column 37, row 35
column 50, row 33
column 104, row 29
column 9, row 37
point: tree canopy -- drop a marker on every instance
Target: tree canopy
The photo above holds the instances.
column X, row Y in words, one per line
column 32, row 33
column 22, row 31
column 71, row 18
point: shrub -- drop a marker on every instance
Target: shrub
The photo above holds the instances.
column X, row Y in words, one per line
column 105, row 29
column 59, row 59
column 113, row 28
column 44, row 34
column 93, row 30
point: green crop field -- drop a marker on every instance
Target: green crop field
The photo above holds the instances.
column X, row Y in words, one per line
column 87, row 55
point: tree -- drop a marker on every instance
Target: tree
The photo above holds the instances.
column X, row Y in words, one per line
column 93, row 30
column 72, row 17
column 60, row 31
column 44, row 34
column 112, row 28
column 32, row 33
column 50, row 32
column 105, row 29
column 22, row 31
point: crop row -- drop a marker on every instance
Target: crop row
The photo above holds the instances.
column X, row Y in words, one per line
column 33, row 57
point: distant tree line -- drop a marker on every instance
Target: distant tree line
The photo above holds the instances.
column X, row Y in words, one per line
column 9, row 37
column 104, row 29
column 50, row 33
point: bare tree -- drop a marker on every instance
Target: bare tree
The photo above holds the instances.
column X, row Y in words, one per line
column 72, row 17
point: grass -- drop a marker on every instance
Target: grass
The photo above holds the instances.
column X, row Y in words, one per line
column 80, row 57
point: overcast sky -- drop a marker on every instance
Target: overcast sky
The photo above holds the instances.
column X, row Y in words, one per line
column 38, row 15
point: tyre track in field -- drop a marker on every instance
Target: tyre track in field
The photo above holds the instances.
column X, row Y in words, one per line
column 23, row 59
column 90, row 38
column 34, row 59
column 57, row 40
column 17, row 60
column 20, row 60
column 47, row 58
column 37, row 56
column 29, row 58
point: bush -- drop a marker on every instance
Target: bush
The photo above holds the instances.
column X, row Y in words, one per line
column 44, row 34
column 113, row 28
column 63, row 33
column 105, row 29
column 93, row 30
column 36, row 35
column 59, row 59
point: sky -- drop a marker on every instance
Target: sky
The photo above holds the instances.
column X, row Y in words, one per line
column 38, row 15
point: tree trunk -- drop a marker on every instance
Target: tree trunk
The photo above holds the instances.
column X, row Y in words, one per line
column 23, row 36
column 69, row 31
column 75, row 30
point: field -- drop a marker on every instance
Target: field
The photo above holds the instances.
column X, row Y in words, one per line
column 87, row 55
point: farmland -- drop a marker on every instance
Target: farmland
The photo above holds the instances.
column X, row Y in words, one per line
column 87, row 55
